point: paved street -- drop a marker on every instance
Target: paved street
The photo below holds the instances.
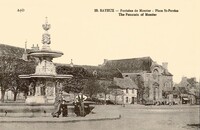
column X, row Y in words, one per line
column 133, row 117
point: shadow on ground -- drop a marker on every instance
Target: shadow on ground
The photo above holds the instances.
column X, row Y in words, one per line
column 194, row 125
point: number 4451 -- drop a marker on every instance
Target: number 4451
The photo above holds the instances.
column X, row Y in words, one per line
column 20, row 10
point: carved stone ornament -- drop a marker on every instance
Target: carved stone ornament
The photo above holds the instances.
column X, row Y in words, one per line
column 46, row 39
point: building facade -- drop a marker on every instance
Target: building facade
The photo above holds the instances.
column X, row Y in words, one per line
column 187, row 91
column 156, row 79
column 128, row 89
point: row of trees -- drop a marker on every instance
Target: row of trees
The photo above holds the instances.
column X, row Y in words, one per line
column 82, row 81
column 87, row 82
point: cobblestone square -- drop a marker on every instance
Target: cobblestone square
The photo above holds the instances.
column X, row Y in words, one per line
column 133, row 117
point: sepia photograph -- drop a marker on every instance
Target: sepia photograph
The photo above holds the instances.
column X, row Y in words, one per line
column 100, row 65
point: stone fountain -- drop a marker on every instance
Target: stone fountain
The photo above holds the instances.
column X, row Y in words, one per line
column 45, row 87
column 46, row 84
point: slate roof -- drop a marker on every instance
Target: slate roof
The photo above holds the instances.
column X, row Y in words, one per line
column 133, row 65
column 165, row 72
column 125, row 83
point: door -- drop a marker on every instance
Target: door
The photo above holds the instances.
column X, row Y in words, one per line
column 133, row 100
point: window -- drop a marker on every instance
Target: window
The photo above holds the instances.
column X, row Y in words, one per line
column 127, row 90
column 133, row 91
column 155, row 74
column 126, row 99
column 164, row 94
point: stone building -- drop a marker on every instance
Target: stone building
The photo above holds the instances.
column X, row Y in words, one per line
column 156, row 78
column 187, row 91
column 129, row 89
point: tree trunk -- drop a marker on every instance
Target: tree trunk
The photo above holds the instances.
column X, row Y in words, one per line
column 2, row 96
column 105, row 99
column 15, row 96
column 25, row 95
column 115, row 99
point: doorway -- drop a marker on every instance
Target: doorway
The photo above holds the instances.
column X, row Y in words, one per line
column 132, row 100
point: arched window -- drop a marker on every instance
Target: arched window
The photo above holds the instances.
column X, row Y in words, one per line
column 155, row 74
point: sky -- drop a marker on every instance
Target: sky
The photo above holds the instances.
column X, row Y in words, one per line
column 89, row 37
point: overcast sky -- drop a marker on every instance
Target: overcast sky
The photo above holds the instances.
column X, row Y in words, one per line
column 88, row 37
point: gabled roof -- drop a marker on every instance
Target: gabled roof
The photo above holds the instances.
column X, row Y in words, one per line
column 166, row 73
column 125, row 83
column 133, row 65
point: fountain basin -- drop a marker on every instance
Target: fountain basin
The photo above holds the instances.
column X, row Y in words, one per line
column 46, row 53
column 31, row 110
column 59, row 76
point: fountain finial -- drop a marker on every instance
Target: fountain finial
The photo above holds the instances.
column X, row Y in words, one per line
column 46, row 39
column 71, row 64
column 25, row 46
column 46, row 26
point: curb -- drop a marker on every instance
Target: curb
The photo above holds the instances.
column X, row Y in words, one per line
column 54, row 120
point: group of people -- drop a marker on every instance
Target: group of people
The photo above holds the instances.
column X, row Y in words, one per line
column 80, row 109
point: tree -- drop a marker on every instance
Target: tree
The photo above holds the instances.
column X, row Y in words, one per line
column 76, row 83
column 116, row 92
column 21, row 85
column 18, row 85
column 6, row 72
column 10, row 69
column 4, row 84
column 140, row 92
column 91, row 87
column 146, row 93
column 104, row 88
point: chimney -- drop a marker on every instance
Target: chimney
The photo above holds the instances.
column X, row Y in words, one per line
column 194, row 79
column 154, row 63
column 165, row 65
column 71, row 64
column 35, row 48
column 105, row 61
column 184, row 78
column 25, row 47
column 32, row 47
